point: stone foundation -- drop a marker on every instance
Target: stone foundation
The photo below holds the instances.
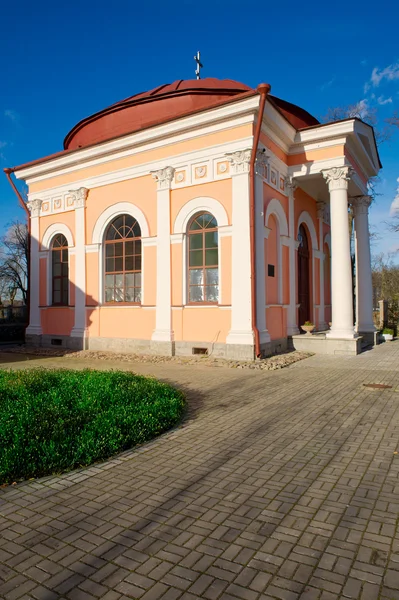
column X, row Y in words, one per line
column 319, row 344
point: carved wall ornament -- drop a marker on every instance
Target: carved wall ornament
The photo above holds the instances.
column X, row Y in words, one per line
column 57, row 203
column 337, row 177
column 163, row 177
column 222, row 167
column 321, row 207
column 360, row 204
column 262, row 163
column 180, row 176
column 239, row 160
column 200, row 172
column 34, row 207
column 45, row 207
column 79, row 196
column 291, row 184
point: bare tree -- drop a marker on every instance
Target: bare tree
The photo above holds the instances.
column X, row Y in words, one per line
column 14, row 253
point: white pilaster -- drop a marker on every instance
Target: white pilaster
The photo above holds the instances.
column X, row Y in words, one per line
column 241, row 297
column 35, row 326
column 163, row 320
column 341, row 271
column 320, row 218
column 292, row 326
column 264, row 336
column 364, row 286
column 79, row 328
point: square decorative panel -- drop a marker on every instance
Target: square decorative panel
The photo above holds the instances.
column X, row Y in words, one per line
column 180, row 176
column 222, row 168
column 282, row 184
column 201, row 172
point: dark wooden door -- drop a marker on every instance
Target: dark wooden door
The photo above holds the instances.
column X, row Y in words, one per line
column 303, row 277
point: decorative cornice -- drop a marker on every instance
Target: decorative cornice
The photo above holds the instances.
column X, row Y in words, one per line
column 360, row 204
column 337, row 178
column 79, row 196
column 34, row 207
column 164, row 177
column 239, row 160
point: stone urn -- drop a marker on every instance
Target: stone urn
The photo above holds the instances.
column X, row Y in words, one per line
column 308, row 328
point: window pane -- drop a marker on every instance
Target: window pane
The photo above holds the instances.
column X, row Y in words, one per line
column 212, row 293
column 211, row 239
column 129, row 280
column 119, row 280
column 129, row 263
column 110, row 250
column 56, row 254
column 109, row 295
column 137, row 279
column 196, row 241
column 109, row 280
column 211, row 257
column 137, row 263
column 129, row 248
column 130, row 295
column 57, row 285
column 65, row 269
column 65, row 256
column 56, row 297
column 57, row 269
column 195, row 225
column 109, row 265
column 137, row 247
column 136, row 230
column 196, row 293
column 196, row 258
column 119, row 264
column 119, row 295
column 119, row 249
column 212, row 276
column 196, row 276
column 137, row 294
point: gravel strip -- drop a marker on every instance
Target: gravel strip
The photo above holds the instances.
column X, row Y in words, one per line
column 279, row 361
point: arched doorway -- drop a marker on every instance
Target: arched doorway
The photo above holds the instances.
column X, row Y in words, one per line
column 303, row 277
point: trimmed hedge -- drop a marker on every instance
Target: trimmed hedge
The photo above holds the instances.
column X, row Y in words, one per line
column 56, row 420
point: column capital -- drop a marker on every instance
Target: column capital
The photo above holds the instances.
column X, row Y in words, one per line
column 34, row 207
column 360, row 204
column 337, row 178
column 239, row 160
column 79, row 196
column 262, row 163
column 321, row 207
column 291, row 184
column 163, row 177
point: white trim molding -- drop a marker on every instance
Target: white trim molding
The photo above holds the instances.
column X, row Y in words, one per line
column 274, row 208
column 53, row 230
column 201, row 203
column 120, row 208
column 305, row 218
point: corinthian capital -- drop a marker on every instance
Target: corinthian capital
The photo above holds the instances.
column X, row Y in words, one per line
column 290, row 184
column 361, row 204
column 337, row 178
column 239, row 160
column 34, row 207
column 163, row 177
column 79, row 196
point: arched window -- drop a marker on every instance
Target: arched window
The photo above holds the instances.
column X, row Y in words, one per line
column 123, row 260
column 59, row 271
column 203, row 259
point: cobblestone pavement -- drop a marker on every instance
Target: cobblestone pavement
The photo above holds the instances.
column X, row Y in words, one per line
column 278, row 485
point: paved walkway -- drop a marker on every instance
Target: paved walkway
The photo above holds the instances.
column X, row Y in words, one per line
column 280, row 485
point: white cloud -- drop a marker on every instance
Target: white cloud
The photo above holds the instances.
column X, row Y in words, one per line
column 12, row 115
column 394, row 210
column 390, row 73
column 381, row 100
column 360, row 110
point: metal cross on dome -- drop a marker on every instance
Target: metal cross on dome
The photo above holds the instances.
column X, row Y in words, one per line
column 199, row 65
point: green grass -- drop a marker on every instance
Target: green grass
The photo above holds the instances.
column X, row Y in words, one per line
column 52, row 421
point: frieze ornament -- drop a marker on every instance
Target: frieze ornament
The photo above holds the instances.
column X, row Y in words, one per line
column 79, row 196
column 290, row 184
column 239, row 160
column 34, row 207
column 163, row 177
column 262, row 163
column 337, row 178
column 361, row 204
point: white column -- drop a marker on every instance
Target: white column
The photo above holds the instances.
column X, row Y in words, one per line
column 79, row 328
column 364, row 286
column 320, row 217
column 241, row 294
column 264, row 336
column 292, row 326
column 163, row 321
column 341, row 271
column 35, row 326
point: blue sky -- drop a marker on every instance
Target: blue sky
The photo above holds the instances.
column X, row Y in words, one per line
column 64, row 61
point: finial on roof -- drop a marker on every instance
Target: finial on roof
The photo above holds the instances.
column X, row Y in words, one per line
column 199, row 65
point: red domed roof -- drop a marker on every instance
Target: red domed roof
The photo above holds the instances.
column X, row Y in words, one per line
column 164, row 103
column 168, row 102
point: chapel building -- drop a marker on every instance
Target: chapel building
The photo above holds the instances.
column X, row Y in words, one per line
column 202, row 216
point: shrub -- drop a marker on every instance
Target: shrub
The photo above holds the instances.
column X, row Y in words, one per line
column 56, row 420
column 388, row 331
